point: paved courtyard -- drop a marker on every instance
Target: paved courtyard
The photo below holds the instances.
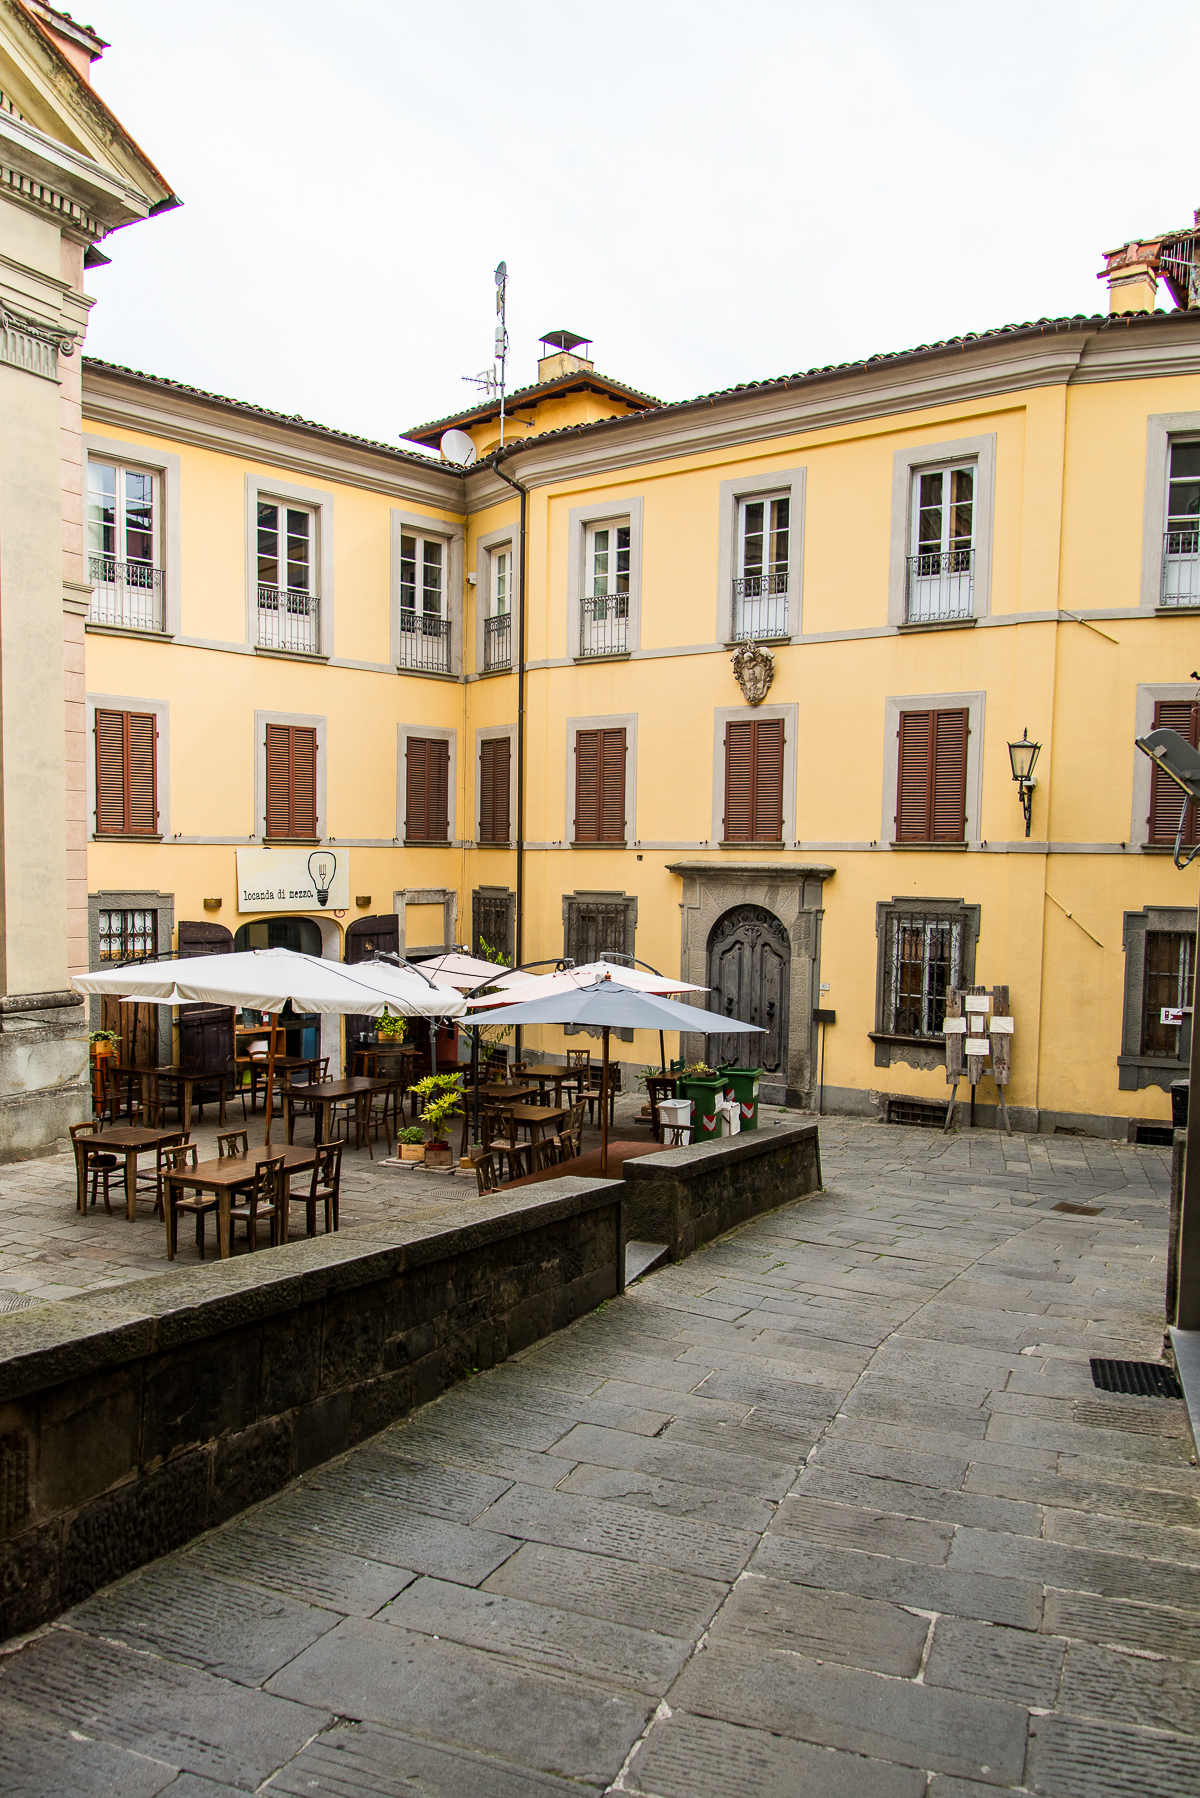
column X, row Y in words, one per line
column 831, row 1510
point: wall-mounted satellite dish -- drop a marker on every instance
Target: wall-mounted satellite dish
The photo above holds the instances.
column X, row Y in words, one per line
column 458, row 447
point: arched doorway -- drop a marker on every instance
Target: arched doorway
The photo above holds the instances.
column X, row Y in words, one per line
column 749, row 972
column 301, row 935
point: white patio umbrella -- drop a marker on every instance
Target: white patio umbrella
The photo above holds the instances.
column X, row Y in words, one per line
column 267, row 979
column 608, row 1005
column 467, row 971
column 536, row 986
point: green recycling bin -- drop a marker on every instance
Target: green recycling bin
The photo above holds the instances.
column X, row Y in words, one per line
column 706, row 1092
column 742, row 1084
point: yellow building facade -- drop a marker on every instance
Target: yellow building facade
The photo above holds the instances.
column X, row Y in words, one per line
column 736, row 700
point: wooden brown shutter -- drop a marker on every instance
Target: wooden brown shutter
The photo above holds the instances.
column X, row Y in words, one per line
column 931, row 786
column 915, row 777
column 612, row 786
column 126, row 776
column 494, row 758
column 768, row 780
column 948, row 801
column 291, row 781
column 427, row 813
column 304, row 782
column 587, row 786
column 110, row 772
column 1166, row 800
column 739, row 783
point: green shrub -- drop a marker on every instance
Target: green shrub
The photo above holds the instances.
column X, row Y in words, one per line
column 412, row 1133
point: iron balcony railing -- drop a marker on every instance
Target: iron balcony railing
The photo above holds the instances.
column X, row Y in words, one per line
column 424, row 641
column 497, row 642
column 1181, row 569
column 941, row 585
column 125, row 593
column 604, row 624
column 760, row 606
column 289, row 619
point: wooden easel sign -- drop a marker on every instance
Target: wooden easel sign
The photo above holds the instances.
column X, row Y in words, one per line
column 979, row 1027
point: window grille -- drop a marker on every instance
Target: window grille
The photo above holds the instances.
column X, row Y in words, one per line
column 598, row 926
column 491, row 923
column 1168, row 983
column 128, row 935
column 923, row 961
column 1181, row 541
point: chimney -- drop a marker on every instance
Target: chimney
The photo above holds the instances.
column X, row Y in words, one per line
column 1132, row 275
column 558, row 356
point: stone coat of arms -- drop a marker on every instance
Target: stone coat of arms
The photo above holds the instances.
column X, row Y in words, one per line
column 755, row 670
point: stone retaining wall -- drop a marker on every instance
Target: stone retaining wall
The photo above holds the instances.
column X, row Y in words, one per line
column 131, row 1421
column 685, row 1197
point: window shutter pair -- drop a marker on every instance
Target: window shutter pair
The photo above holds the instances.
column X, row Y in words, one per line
column 126, row 774
column 600, row 786
column 1166, row 800
column 754, row 781
column 931, row 796
column 291, row 781
column 427, row 813
column 494, row 760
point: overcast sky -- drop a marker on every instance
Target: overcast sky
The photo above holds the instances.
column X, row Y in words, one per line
column 712, row 193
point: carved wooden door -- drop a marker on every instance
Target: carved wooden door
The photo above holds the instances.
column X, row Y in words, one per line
column 749, row 968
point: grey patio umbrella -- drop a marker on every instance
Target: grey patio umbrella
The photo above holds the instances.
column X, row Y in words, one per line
column 608, row 1006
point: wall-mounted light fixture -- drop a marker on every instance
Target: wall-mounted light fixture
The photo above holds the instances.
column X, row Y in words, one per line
column 362, row 899
column 212, row 905
column 1023, row 756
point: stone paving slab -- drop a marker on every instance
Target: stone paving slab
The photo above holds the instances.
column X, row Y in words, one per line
column 830, row 1510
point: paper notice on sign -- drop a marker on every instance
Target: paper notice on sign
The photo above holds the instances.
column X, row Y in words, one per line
column 1001, row 1026
column 977, row 1001
column 1171, row 1014
column 978, row 1045
column 955, row 1026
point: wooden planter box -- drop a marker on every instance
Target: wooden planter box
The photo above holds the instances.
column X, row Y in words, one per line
column 412, row 1151
column 438, row 1154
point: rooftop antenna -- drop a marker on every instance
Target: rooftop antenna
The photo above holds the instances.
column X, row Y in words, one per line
column 487, row 378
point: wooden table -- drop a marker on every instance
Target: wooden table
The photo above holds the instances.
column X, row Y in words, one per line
column 560, row 1077
column 225, row 1177
column 536, row 1116
column 284, row 1064
column 130, row 1141
column 323, row 1095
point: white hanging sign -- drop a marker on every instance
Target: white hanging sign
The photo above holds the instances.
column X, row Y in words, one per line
column 313, row 880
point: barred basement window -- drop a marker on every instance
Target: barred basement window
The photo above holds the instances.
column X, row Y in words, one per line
column 492, row 914
column 925, row 949
column 128, row 935
column 1168, row 985
column 598, row 923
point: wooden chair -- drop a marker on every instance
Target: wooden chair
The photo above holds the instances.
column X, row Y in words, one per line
column 200, row 1204
column 266, row 1201
column 324, row 1190
column 487, row 1175
column 106, row 1092
column 658, row 1087
column 375, row 1119
column 96, row 1162
column 499, row 1132
column 154, row 1182
column 544, row 1153
column 233, row 1142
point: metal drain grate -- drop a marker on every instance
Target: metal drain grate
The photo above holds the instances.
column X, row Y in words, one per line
column 1078, row 1210
column 925, row 1113
column 1153, row 1136
column 14, row 1301
column 1140, row 1379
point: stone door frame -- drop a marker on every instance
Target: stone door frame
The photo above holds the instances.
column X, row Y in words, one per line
column 793, row 891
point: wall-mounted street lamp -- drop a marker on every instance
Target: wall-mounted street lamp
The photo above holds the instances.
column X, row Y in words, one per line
column 1023, row 755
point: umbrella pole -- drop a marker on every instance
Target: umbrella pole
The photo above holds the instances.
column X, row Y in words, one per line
column 662, row 1050
column 475, row 1081
column 271, row 1077
column 604, row 1105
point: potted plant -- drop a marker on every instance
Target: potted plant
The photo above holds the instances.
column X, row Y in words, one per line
column 412, row 1143
column 442, row 1094
column 390, row 1029
column 103, row 1044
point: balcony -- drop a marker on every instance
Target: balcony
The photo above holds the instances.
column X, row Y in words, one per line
column 289, row 619
column 127, row 594
column 1180, row 569
column 497, row 642
column 424, row 642
column 941, row 586
column 760, row 606
column 604, row 625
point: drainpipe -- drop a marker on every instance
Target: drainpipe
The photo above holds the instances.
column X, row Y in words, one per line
column 518, row 922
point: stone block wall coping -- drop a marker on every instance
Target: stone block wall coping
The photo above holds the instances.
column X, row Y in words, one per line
column 698, row 1160
column 52, row 1343
column 15, row 1002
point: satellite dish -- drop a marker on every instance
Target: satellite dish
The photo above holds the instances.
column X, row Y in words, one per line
column 458, row 447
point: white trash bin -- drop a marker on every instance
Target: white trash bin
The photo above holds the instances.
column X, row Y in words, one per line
column 733, row 1117
column 675, row 1116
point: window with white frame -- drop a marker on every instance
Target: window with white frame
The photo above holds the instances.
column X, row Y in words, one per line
column 760, row 587
column 941, row 560
column 604, row 603
column 424, row 625
column 1181, row 539
column 288, row 602
column 124, row 559
column 497, row 624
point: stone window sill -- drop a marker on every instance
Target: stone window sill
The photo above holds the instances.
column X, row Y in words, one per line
column 762, row 642
column 1162, row 848
column 754, row 843
column 621, row 845
column 939, row 624
column 290, row 842
column 289, row 655
column 126, row 836
column 615, row 655
column 427, row 843
column 427, row 673
column 952, row 847
column 909, row 1042
column 127, row 630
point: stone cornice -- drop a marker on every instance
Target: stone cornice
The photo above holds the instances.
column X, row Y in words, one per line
column 125, row 402
column 754, row 870
column 40, row 172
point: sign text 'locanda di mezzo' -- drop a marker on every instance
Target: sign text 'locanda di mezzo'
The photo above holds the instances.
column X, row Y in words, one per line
column 293, row 880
